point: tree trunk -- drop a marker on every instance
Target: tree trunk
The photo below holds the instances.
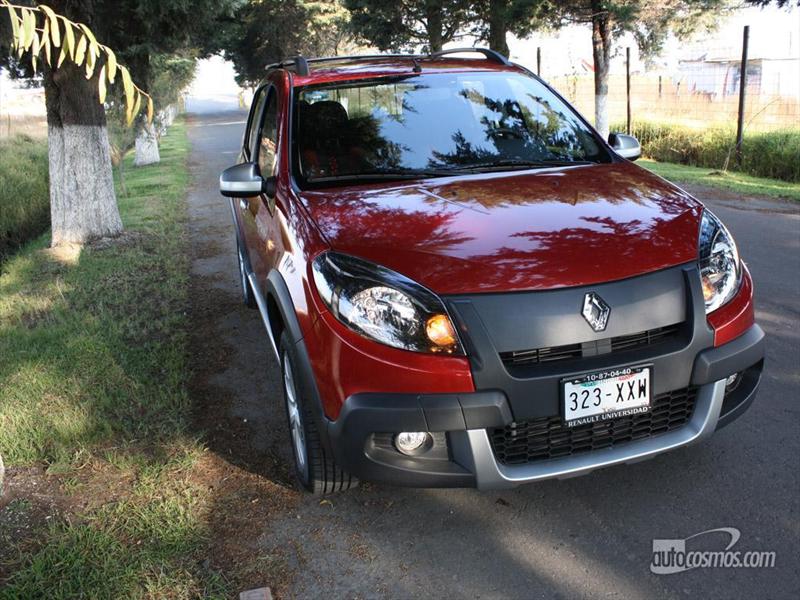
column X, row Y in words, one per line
column 147, row 146
column 2, row 474
column 433, row 14
column 498, row 26
column 83, row 205
column 601, row 49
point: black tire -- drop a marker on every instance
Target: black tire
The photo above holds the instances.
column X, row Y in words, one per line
column 248, row 298
column 315, row 469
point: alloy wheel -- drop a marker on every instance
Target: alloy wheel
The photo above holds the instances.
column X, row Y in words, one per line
column 294, row 411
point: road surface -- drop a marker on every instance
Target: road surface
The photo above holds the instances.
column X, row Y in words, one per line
column 582, row 537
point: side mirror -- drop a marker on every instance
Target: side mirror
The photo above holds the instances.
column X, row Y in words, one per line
column 244, row 181
column 626, row 146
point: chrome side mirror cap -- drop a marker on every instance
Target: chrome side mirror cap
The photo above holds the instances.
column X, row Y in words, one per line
column 244, row 181
column 626, row 146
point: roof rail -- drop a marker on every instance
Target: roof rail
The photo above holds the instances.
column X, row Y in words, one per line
column 360, row 56
column 489, row 54
column 299, row 64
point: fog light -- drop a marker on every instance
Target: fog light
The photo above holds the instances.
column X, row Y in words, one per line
column 411, row 442
column 731, row 382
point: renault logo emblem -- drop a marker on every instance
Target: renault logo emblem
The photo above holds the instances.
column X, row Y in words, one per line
column 595, row 311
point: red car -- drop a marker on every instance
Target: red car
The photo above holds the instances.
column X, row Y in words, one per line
column 465, row 285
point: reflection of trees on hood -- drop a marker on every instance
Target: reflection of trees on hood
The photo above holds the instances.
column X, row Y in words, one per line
column 387, row 225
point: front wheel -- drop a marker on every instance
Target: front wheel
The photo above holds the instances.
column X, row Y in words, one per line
column 315, row 469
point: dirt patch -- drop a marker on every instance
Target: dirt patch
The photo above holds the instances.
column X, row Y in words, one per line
column 34, row 500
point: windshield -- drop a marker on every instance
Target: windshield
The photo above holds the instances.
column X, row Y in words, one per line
column 433, row 125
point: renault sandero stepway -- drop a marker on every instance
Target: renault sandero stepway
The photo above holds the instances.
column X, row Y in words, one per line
column 465, row 285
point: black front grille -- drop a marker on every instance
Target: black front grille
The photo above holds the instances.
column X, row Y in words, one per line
column 548, row 437
column 620, row 343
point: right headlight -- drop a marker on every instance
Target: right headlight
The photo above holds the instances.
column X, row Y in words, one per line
column 718, row 260
column 384, row 305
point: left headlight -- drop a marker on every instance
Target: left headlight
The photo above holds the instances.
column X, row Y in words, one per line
column 383, row 305
column 718, row 260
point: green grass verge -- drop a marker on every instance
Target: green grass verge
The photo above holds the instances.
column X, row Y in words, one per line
column 731, row 181
column 93, row 365
column 24, row 198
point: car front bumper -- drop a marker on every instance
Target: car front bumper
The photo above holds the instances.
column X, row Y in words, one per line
column 361, row 435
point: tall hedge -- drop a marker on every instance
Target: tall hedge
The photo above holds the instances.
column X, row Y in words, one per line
column 24, row 197
column 773, row 154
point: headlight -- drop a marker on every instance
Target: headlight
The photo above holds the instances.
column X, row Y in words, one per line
column 720, row 268
column 384, row 305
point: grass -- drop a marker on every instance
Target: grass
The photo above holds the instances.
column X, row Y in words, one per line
column 771, row 154
column 93, row 388
column 24, row 199
column 731, row 181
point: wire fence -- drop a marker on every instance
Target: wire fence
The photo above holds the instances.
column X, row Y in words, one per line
column 699, row 93
column 663, row 98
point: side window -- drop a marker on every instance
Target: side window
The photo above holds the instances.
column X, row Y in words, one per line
column 268, row 142
column 255, row 119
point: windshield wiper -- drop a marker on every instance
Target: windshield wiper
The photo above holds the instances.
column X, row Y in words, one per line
column 389, row 173
column 515, row 163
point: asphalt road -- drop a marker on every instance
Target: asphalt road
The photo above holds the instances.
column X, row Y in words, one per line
column 581, row 537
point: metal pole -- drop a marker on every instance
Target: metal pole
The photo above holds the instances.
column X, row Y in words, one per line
column 539, row 61
column 659, row 86
column 628, row 84
column 742, row 89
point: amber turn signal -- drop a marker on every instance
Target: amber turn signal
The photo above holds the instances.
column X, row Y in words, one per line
column 440, row 330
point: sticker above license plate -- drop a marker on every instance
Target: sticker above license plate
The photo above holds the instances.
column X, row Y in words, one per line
column 606, row 395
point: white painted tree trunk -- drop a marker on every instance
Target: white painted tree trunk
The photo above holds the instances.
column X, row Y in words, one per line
column 83, row 205
column 601, row 52
column 601, row 114
column 147, row 146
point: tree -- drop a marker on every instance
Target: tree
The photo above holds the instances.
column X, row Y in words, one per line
column 404, row 25
column 82, row 200
column 170, row 74
column 83, row 203
column 145, row 31
column 498, row 18
column 267, row 31
column 650, row 21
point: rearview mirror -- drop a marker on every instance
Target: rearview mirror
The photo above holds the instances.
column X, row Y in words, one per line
column 244, row 181
column 626, row 146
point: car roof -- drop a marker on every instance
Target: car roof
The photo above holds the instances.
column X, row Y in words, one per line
column 313, row 71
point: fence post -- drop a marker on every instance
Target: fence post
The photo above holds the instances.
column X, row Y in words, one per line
column 742, row 89
column 539, row 61
column 628, row 85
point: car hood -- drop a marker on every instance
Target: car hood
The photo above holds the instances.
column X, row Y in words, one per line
column 515, row 231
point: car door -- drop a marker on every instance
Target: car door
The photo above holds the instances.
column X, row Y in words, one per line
column 258, row 212
column 255, row 211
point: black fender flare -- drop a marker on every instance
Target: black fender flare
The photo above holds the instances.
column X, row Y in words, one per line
column 278, row 291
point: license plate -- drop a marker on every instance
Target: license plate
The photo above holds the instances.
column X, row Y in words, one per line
column 606, row 395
